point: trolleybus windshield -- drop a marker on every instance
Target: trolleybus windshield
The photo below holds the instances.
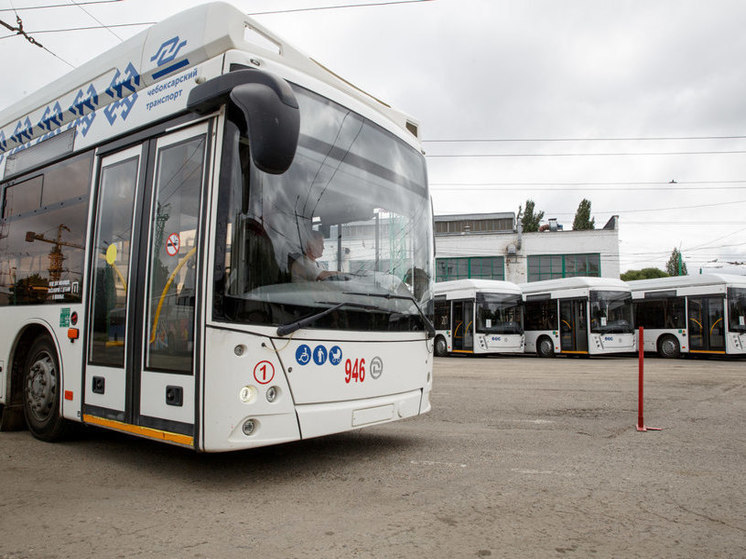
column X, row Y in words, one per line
column 611, row 312
column 499, row 313
column 351, row 183
column 737, row 309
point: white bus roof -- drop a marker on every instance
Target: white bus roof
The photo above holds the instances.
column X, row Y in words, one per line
column 156, row 55
column 674, row 282
column 484, row 285
column 573, row 283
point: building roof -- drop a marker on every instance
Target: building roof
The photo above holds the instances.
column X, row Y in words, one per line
column 469, row 217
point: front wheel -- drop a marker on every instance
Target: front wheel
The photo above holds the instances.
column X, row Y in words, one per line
column 441, row 349
column 41, row 391
column 545, row 347
column 668, row 347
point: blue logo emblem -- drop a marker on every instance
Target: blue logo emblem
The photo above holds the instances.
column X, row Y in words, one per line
column 319, row 355
column 335, row 355
column 52, row 117
column 303, row 354
column 85, row 101
column 116, row 90
column 168, row 51
column 130, row 80
column 23, row 132
column 85, row 123
column 166, row 54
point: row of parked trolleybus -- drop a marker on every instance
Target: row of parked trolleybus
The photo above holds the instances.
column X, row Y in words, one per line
column 700, row 314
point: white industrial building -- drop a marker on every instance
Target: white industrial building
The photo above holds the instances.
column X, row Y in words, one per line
column 491, row 246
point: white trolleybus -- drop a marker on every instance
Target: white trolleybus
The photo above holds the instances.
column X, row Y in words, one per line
column 700, row 314
column 167, row 211
column 578, row 316
column 478, row 316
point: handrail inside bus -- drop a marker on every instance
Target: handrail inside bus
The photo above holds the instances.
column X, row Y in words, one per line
column 183, row 261
column 116, row 269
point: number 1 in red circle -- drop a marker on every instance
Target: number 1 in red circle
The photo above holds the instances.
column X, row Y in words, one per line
column 264, row 372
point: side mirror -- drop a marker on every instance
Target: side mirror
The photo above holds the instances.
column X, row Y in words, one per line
column 270, row 111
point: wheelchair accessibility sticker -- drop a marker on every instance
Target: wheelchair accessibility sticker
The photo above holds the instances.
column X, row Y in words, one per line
column 304, row 355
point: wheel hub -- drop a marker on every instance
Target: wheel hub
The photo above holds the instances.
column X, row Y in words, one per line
column 41, row 387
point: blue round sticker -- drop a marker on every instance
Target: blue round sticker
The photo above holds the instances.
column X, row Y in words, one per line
column 335, row 355
column 303, row 354
column 319, row 355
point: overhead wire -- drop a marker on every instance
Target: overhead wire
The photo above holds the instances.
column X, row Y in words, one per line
column 588, row 186
column 583, row 154
column 20, row 31
column 270, row 12
column 585, row 139
column 94, row 18
column 337, row 7
column 52, row 6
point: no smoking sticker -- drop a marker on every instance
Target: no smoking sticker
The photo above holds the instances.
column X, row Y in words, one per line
column 172, row 244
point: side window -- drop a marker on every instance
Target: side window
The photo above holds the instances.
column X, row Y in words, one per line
column 541, row 315
column 42, row 234
column 442, row 313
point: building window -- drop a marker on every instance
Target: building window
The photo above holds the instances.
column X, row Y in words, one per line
column 552, row 266
column 474, row 226
column 492, row 267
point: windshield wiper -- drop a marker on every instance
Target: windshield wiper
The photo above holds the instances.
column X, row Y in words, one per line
column 291, row 327
column 428, row 325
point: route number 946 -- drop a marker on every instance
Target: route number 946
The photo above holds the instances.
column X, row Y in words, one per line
column 354, row 370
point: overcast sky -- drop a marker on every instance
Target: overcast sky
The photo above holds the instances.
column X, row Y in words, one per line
column 517, row 99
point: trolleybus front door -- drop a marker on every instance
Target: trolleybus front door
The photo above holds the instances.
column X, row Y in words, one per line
column 141, row 366
column 706, row 324
column 463, row 325
column 573, row 325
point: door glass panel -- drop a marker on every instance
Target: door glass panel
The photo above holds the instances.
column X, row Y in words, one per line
column 581, row 326
column 716, row 323
column 567, row 328
column 469, row 325
column 173, row 234
column 696, row 324
column 458, row 326
column 112, row 262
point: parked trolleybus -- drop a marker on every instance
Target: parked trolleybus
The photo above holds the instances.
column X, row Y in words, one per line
column 478, row 316
column 702, row 314
column 165, row 208
column 578, row 316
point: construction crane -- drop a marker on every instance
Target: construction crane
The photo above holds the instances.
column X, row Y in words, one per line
column 56, row 258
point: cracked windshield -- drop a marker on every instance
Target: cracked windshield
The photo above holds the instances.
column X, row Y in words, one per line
column 349, row 223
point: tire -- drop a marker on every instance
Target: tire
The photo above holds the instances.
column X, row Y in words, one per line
column 441, row 348
column 41, row 391
column 545, row 347
column 668, row 347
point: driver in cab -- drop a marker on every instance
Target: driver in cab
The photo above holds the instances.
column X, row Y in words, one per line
column 305, row 267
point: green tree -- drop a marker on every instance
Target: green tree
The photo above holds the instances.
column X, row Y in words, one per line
column 676, row 265
column 530, row 220
column 645, row 273
column 583, row 220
